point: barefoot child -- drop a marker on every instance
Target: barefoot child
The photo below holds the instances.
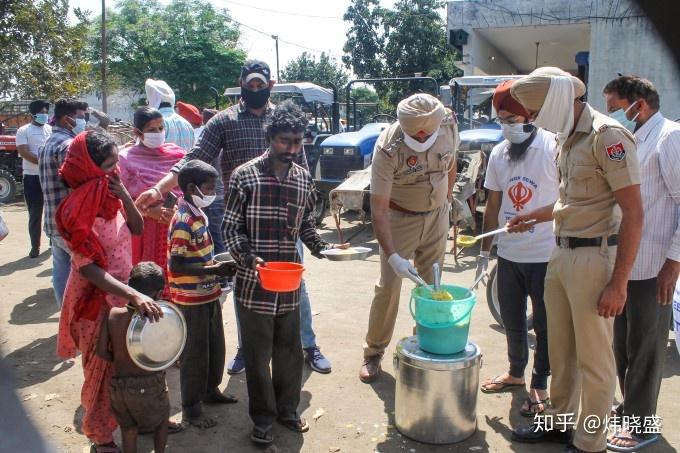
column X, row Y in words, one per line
column 195, row 288
column 139, row 398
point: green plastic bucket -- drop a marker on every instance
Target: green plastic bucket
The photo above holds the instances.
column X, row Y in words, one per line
column 442, row 326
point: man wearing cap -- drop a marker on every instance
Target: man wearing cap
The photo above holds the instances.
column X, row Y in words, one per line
column 236, row 136
column 597, row 223
column 412, row 178
column 29, row 139
column 160, row 96
column 521, row 176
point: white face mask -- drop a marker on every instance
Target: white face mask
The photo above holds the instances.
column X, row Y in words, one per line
column 418, row 147
column 515, row 132
column 203, row 201
column 153, row 139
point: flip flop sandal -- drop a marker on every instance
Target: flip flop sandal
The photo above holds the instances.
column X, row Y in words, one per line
column 532, row 404
column 640, row 442
column 262, row 436
column 299, row 425
column 94, row 448
column 174, row 427
column 504, row 386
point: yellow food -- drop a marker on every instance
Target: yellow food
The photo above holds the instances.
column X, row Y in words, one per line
column 465, row 240
column 441, row 295
column 343, row 251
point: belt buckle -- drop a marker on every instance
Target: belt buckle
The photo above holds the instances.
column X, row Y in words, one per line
column 563, row 242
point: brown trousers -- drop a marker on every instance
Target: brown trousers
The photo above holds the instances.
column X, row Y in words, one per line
column 418, row 237
column 580, row 341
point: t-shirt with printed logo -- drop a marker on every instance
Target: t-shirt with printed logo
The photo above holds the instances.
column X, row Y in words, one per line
column 526, row 184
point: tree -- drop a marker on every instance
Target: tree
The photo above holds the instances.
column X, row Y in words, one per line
column 365, row 43
column 306, row 68
column 43, row 55
column 187, row 43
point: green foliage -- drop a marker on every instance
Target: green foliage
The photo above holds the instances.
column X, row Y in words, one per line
column 187, row 43
column 408, row 39
column 306, row 68
column 43, row 55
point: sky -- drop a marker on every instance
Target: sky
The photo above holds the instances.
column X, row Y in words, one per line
column 301, row 25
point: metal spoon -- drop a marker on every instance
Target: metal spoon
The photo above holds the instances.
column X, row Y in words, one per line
column 436, row 276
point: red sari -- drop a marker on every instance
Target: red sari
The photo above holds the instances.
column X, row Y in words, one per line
column 140, row 169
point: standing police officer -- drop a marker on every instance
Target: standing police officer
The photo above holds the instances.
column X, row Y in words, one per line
column 412, row 177
column 588, row 272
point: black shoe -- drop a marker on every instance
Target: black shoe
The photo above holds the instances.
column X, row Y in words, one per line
column 536, row 433
column 34, row 253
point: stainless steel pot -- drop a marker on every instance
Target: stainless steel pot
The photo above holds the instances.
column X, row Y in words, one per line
column 154, row 346
column 436, row 395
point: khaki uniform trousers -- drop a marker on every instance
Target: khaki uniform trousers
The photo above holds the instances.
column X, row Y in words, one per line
column 580, row 341
column 418, row 237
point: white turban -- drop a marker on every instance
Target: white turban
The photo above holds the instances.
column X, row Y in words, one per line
column 158, row 91
column 420, row 112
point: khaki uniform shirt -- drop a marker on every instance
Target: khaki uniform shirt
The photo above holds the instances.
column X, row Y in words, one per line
column 415, row 181
column 598, row 159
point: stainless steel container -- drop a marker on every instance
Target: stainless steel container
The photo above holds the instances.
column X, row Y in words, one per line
column 436, row 395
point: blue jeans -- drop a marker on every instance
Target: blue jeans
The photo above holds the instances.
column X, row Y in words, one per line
column 215, row 213
column 61, row 267
column 306, row 329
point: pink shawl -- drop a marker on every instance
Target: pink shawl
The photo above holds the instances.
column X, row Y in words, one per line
column 142, row 167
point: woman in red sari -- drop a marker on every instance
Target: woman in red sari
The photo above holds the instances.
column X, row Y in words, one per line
column 97, row 220
column 141, row 167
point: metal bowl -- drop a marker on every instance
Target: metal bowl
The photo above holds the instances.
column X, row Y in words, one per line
column 154, row 346
column 348, row 254
column 224, row 258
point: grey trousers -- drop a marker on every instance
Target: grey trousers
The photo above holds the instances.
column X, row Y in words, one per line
column 640, row 340
column 202, row 361
column 274, row 339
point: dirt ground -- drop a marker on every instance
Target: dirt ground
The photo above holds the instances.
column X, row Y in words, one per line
column 355, row 417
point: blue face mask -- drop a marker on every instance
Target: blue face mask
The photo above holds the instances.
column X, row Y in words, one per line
column 80, row 125
column 41, row 118
column 620, row 116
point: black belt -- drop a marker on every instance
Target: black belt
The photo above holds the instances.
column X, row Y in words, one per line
column 572, row 243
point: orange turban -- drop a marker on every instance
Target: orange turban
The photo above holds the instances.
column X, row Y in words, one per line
column 502, row 100
column 190, row 113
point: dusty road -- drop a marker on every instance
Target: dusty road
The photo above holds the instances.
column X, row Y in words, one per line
column 356, row 418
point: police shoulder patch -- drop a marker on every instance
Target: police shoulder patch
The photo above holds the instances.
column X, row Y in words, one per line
column 616, row 152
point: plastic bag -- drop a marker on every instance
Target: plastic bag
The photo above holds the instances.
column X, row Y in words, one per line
column 4, row 230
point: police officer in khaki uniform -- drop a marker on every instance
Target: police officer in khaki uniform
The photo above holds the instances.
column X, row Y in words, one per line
column 412, row 177
column 597, row 224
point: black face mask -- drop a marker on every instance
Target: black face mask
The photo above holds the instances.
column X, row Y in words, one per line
column 255, row 99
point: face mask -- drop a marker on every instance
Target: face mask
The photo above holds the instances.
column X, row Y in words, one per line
column 418, row 147
column 203, row 202
column 153, row 139
column 41, row 118
column 255, row 99
column 620, row 116
column 515, row 132
column 80, row 125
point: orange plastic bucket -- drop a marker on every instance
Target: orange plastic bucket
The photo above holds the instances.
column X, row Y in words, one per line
column 280, row 276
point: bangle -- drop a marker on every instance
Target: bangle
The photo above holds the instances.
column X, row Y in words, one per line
column 160, row 194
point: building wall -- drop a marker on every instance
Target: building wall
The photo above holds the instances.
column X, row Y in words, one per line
column 633, row 46
column 484, row 59
column 622, row 40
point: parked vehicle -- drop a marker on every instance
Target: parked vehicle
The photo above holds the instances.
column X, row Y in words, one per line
column 13, row 115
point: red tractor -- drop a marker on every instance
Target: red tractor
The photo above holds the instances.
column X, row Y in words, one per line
column 13, row 115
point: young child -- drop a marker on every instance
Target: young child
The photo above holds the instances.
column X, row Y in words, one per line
column 139, row 398
column 195, row 288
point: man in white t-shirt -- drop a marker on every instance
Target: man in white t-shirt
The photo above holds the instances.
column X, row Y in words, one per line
column 30, row 138
column 521, row 176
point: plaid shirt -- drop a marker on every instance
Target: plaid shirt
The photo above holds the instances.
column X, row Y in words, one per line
column 265, row 216
column 177, row 129
column 238, row 134
column 50, row 158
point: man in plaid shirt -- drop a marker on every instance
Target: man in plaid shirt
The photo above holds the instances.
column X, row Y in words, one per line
column 238, row 133
column 268, row 208
column 69, row 120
